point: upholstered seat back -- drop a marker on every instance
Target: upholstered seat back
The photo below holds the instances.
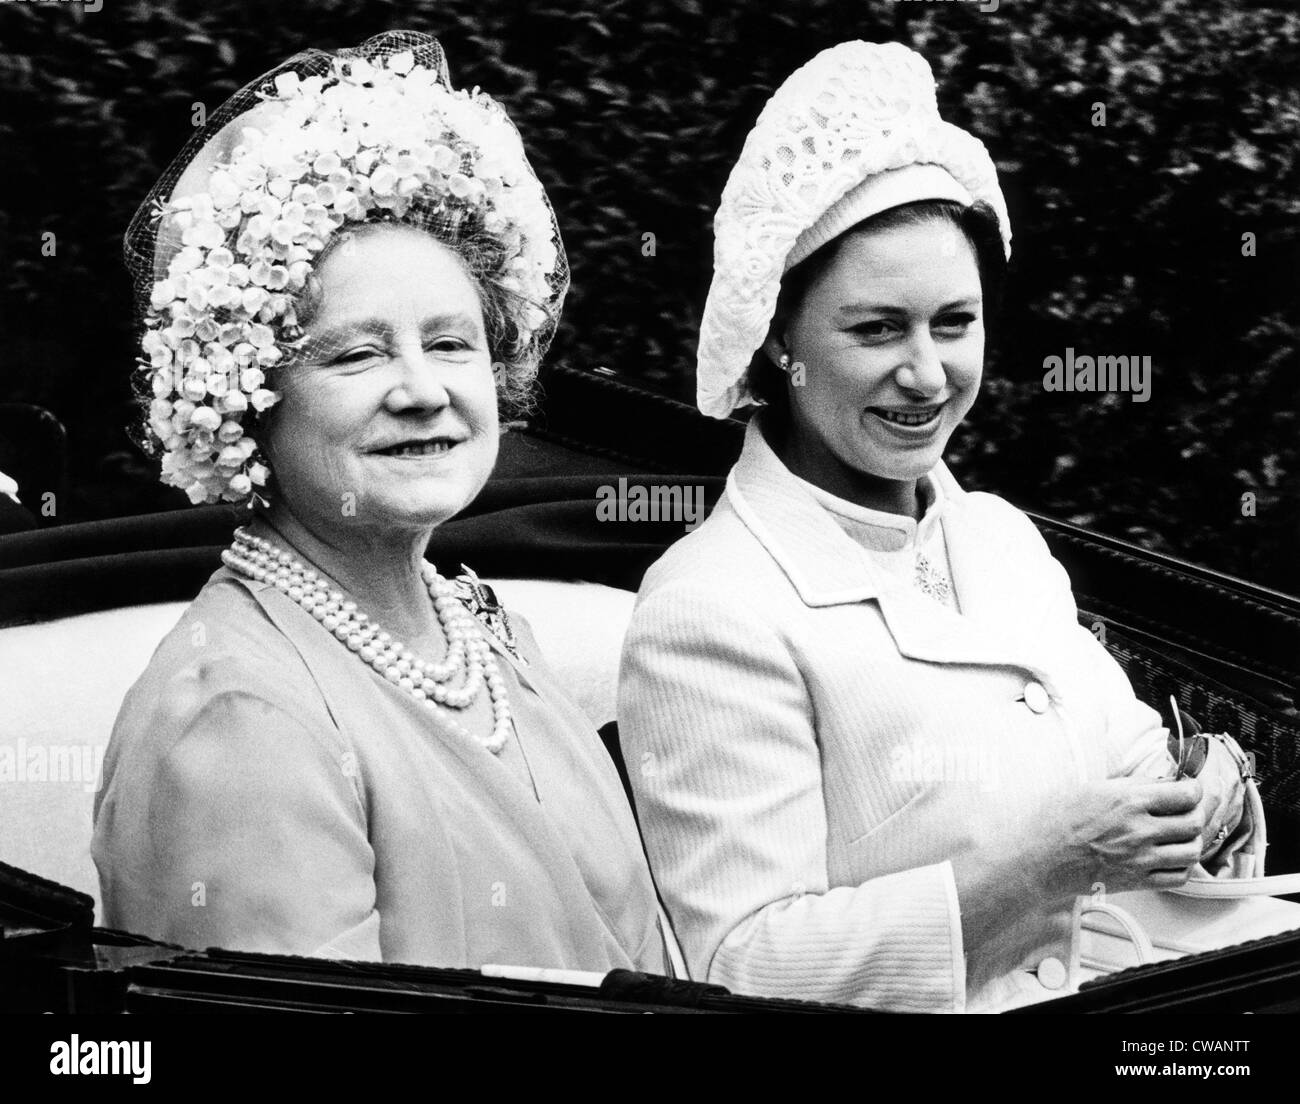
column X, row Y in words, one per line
column 62, row 681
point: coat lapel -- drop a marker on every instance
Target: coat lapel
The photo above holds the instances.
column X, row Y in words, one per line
column 827, row 568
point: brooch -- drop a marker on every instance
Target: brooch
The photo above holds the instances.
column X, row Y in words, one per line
column 482, row 602
column 931, row 580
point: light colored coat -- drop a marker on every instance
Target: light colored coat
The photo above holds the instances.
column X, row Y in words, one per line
column 811, row 742
column 264, row 790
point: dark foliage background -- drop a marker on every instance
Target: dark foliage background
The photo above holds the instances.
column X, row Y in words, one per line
column 1128, row 235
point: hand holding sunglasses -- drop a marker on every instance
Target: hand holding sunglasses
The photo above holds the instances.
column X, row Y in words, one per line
column 1189, row 747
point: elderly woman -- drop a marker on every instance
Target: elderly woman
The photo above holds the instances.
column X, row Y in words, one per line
column 875, row 757
column 337, row 751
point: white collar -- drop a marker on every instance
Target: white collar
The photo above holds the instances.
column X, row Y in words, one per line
column 879, row 530
column 824, row 564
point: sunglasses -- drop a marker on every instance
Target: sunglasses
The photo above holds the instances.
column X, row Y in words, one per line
column 1188, row 745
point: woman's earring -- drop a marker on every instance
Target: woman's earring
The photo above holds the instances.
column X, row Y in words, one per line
column 784, row 363
column 261, row 496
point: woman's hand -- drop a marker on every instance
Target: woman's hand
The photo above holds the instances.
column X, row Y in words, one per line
column 1123, row 833
column 1223, row 799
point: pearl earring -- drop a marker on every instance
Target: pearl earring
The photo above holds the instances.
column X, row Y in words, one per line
column 784, row 363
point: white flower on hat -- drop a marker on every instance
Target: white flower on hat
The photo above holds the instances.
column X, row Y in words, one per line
column 9, row 488
column 326, row 150
column 850, row 134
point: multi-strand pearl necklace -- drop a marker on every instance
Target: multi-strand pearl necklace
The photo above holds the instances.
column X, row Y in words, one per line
column 454, row 683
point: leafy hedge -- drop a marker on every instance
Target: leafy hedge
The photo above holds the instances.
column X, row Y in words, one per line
column 1128, row 235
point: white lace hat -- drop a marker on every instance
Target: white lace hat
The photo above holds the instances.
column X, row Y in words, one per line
column 854, row 132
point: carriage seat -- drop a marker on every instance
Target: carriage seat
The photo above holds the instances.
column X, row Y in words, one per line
column 62, row 681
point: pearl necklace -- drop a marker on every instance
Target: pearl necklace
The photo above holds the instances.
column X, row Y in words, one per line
column 452, row 684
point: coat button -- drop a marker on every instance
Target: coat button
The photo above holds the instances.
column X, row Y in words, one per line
column 1052, row 973
column 1036, row 697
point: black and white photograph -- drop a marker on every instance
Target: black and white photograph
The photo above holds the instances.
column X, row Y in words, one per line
column 665, row 507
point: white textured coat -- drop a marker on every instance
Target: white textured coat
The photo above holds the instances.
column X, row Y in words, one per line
column 811, row 742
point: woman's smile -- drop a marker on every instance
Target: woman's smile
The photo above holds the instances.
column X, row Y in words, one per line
column 407, row 422
column 417, row 449
column 892, row 335
column 914, row 426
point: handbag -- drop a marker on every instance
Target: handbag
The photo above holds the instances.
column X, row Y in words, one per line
column 1137, row 927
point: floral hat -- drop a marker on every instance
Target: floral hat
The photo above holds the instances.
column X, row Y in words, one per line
column 852, row 133
column 228, row 239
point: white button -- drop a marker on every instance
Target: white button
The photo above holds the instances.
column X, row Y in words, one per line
column 1052, row 973
column 1036, row 697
